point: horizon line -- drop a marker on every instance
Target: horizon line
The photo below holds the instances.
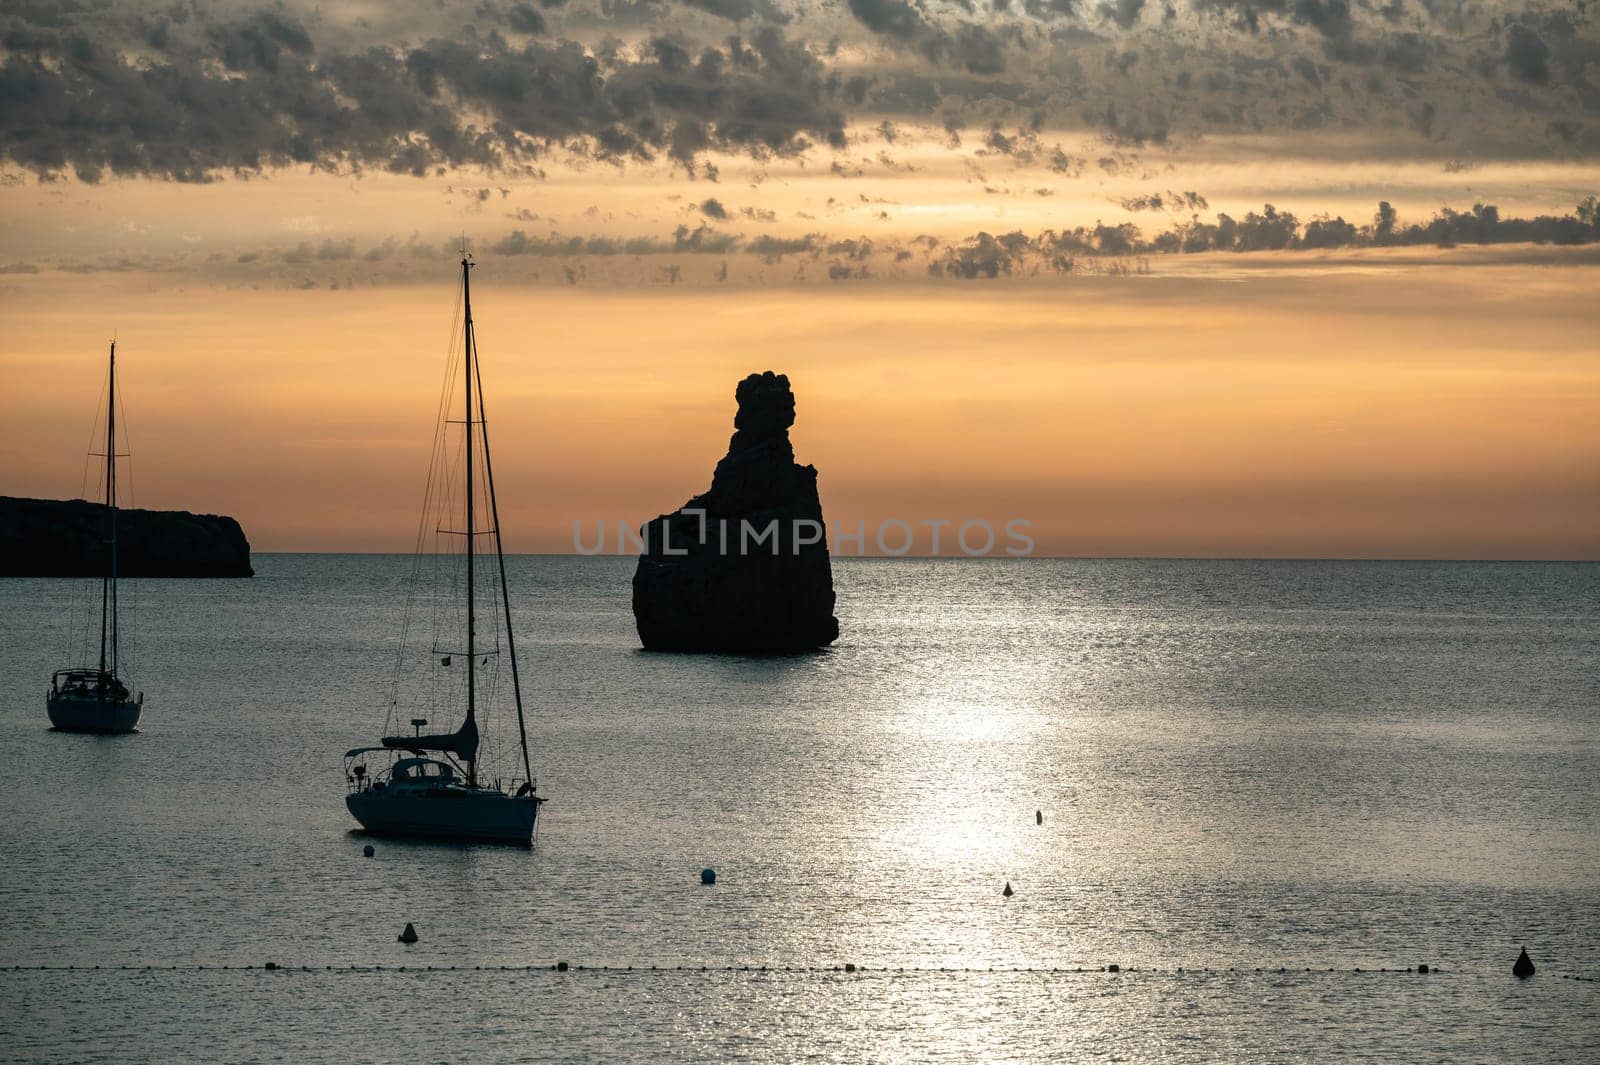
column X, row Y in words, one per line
column 1038, row 557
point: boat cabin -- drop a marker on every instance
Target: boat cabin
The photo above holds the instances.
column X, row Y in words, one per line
column 422, row 771
column 409, row 773
column 83, row 683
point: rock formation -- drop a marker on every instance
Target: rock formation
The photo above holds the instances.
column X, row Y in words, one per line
column 743, row 568
column 67, row 538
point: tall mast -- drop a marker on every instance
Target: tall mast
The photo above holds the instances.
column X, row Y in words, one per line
column 505, row 591
column 108, row 584
column 472, row 683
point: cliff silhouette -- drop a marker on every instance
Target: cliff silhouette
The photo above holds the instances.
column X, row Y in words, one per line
column 67, row 538
column 706, row 583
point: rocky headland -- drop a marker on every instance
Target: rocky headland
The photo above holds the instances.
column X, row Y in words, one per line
column 742, row 568
column 67, row 538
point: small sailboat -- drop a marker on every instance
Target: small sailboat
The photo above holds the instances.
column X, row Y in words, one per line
column 98, row 699
column 437, row 785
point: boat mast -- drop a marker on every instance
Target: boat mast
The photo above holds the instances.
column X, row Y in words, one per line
column 505, row 591
column 472, row 690
column 108, row 583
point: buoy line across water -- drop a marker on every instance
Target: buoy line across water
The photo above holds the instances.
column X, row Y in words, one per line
column 851, row 968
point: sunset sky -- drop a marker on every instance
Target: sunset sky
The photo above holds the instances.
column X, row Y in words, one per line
column 1016, row 258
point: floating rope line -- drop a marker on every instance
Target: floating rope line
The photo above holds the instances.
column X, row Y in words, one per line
column 844, row 967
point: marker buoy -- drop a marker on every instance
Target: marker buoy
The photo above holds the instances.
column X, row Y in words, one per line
column 367, row 851
column 1113, row 968
column 849, row 966
column 1008, row 892
column 561, row 967
column 1524, row 966
column 1038, row 817
column 1422, row 969
column 708, row 877
column 409, row 935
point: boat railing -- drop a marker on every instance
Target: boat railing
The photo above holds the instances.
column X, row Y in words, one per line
column 517, row 787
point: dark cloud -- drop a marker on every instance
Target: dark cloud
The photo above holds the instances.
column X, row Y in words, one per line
column 974, row 49
column 970, row 47
column 990, row 256
column 525, row 18
column 1527, row 55
column 191, row 91
column 983, row 256
column 243, row 93
column 1124, row 13
column 1172, row 201
column 777, row 247
column 1407, row 53
column 703, row 252
column 1270, row 229
column 740, row 10
column 1331, row 18
column 892, row 18
column 714, row 209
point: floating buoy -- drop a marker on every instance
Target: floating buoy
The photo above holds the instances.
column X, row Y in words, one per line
column 1422, row 969
column 561, row 966
column 367, row 851
column 270, row 965
column 1038, row 817
column 1008, row 892
column 1113, row 968
column 708, row 877
column 409, row 935
column 849, row 966
column 1524, row 966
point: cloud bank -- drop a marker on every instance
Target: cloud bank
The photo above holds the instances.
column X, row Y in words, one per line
column 764, row 258
column 189, row 91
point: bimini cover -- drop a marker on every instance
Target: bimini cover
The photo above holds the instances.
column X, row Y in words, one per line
column 463, row 742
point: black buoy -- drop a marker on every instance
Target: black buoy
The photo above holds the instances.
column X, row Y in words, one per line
column 1524, row 966
column 1038, row 817
column 708, row 877
column 1422, row 969
column 367, row 851
column 270, row 965
column 849, row 966
column 1113, row 968
column 1008, row 892
column 409, row 935
column 562, row 966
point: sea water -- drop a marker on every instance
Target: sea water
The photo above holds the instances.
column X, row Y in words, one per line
column 1266, row 774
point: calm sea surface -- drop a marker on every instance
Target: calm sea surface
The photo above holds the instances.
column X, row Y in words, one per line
column 1246, row 765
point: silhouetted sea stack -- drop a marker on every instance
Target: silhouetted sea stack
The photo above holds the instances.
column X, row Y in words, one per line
column 751, row 574
column 67, row 538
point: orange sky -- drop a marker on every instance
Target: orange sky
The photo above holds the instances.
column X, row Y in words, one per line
column 1362, row 407
column 953, row 226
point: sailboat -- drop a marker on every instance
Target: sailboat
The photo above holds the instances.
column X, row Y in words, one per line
column 435, row 785
column 98, row 699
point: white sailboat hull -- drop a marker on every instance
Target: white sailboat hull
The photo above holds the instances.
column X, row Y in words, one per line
column 77, row 713
column 484, row 816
